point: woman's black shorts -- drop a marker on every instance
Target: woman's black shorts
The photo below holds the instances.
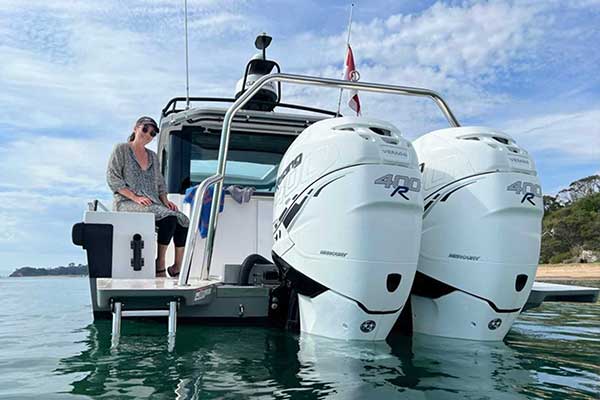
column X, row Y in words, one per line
column 168, row 228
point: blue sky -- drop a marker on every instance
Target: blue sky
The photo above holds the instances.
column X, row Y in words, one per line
column 75, row 74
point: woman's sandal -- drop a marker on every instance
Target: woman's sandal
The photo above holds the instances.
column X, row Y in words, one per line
column 161, row 273
column 172, row 274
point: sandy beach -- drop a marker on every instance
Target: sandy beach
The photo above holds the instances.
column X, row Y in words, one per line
column 582, row 272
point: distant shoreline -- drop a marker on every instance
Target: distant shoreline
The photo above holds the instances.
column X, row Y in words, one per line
column 70, row 270
column 45, row 276
column 569, row 272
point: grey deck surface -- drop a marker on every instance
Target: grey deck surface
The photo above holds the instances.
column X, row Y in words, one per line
column 195, row 292
column 543, row 291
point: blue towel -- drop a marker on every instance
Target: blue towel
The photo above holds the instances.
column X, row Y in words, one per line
column 190, row 193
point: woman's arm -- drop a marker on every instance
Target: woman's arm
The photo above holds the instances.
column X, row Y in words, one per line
column 114, row 170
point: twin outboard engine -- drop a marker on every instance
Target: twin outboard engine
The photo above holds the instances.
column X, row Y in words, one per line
column 481, row 233
column 347, row 226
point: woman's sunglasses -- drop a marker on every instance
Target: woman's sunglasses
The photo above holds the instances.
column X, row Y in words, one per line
column 150, row 128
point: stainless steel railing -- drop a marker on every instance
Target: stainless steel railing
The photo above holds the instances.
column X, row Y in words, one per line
column 190, row 240
column 217, row 179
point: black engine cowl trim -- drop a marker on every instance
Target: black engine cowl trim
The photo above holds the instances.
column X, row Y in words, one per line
column 309, row 287
column 426, row 286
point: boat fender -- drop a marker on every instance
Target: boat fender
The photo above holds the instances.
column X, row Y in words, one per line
column 97, row 240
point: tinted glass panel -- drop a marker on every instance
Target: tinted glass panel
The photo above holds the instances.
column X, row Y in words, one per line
column 253, row 159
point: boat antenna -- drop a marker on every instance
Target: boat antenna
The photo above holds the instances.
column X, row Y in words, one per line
column 187, row 62
column 345, row 54
column 262, row 42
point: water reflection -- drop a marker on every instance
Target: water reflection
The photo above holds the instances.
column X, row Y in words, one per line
column 560, row 344
column 227, row 362
column 459, row 369
column 206, row 362
column 421, row 367
column 353, row 369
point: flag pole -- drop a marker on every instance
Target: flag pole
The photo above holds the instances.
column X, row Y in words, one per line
column 345, row 55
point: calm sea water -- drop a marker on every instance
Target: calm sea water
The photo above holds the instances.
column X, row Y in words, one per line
column 49, row 348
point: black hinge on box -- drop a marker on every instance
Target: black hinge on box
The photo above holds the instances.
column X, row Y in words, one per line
column 137, row 244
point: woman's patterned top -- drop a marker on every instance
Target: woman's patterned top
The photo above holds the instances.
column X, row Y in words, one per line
column 124, row 171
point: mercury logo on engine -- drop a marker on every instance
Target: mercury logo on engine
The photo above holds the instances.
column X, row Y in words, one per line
column 333, row 253
column 464, row 257
column 402, row 184
column 494, row 324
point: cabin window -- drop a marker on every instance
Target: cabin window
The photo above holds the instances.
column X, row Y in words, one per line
column 253, row 158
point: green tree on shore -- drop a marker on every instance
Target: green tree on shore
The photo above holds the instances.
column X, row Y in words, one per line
column 572, row 221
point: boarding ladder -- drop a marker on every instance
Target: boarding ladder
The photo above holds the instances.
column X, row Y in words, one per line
column 118, row 313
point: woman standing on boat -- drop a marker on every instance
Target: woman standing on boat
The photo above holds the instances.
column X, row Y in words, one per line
column 138, row 186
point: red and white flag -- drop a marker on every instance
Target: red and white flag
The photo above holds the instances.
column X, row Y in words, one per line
column 351, row 74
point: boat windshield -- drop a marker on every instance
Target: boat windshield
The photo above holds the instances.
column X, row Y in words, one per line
column 253, row 158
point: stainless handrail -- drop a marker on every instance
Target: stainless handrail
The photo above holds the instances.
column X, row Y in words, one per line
column 309, row 80
column 190, row 240
column 94, row 205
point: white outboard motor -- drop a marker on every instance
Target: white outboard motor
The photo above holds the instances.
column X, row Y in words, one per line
column 347, row 222
column 481, row 233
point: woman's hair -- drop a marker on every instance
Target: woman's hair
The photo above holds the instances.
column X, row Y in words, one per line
column 132, row 136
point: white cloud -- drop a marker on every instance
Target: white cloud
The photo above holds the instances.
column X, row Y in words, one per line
column 37, row 224
column 79, row 6
column 571, row 136
column 219, row 23
column 118, row 67
column 47, row 185
column 108, row 71
column 10, row 232
column 467, row 41
column 62, row 165
column 461, row 52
